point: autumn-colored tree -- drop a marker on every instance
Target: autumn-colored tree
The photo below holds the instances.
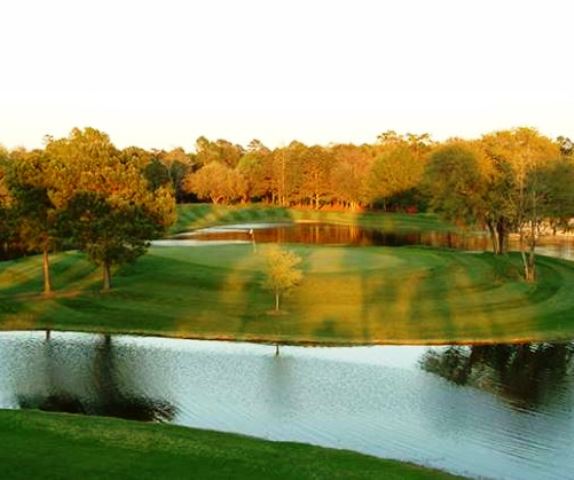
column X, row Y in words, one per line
column 286, row 173
column 281, row 273
column 177, row 164
column 316, row 168
column 221, row 151
column 93, row 175
column 350, row 175
column 255, row 168
column 216, row 182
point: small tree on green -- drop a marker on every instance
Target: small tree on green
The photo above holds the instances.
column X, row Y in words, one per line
column 281, row 274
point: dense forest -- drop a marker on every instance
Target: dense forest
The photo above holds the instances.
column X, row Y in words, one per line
column 83, row 191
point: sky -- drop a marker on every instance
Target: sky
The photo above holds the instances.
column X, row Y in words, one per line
column 158, row 74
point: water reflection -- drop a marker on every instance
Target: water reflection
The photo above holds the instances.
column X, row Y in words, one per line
column 98, row 393
column 518, row 423
column 527, row 375
column 328, row 234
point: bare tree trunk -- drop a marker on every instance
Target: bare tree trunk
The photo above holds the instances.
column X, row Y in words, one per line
column 107, row 276
column 501, row 231
column 531, row 255
column 493, row 239
column 46, row 272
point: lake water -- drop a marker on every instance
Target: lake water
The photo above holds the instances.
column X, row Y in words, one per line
column 329, row 234
column 504, row 412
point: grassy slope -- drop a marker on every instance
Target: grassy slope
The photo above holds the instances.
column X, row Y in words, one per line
column 42, row 446
column 349, row 295
column 205, row 215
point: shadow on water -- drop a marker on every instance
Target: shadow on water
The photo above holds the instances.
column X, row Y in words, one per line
column 104, row 397
column 526, row 375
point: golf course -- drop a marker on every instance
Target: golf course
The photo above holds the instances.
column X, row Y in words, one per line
column 348, row 295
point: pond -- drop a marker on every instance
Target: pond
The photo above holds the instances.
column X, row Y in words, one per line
column 329, row 234
column 503, row 411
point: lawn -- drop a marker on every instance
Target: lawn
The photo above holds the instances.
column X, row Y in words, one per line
column 349, row 295
column 42, row 446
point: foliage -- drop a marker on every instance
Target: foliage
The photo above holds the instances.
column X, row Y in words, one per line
column 106, row 201
column 398, row 168
column 220, row 151
column 281, row 272
column 217, row 182
column 110, row 235
column 454, row 184
column 32, row 182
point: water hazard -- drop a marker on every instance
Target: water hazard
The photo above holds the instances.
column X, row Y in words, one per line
column 502, row 411
column 329, row 234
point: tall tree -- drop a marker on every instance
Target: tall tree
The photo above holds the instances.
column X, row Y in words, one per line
column 110, row 234
column 398, row 167
column 350, row 176
column 32, row 180
column 220, row 150
column 454, row 184
column 255, row 167
column 7, row 216
column 98, row 188
column 527, row 153
column 317, row 165
column 217, row 182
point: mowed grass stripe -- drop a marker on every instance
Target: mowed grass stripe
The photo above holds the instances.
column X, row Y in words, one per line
column 349, row 295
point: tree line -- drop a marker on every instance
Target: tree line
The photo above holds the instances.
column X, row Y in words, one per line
column 82, row 190
column 510, row 181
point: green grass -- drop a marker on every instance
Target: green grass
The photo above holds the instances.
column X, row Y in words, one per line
column 193, row 216
column 40, row 446
column 349, row 295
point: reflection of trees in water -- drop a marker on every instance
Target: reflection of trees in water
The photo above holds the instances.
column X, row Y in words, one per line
column 106, row 398
column 525, row 374
column 323, row 233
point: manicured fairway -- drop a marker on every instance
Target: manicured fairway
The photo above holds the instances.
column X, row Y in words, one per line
column 348, row 295
column 43, row 446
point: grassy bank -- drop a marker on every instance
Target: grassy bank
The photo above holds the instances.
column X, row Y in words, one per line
column 42, row 446
column 348, row 296
column 194, row 216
